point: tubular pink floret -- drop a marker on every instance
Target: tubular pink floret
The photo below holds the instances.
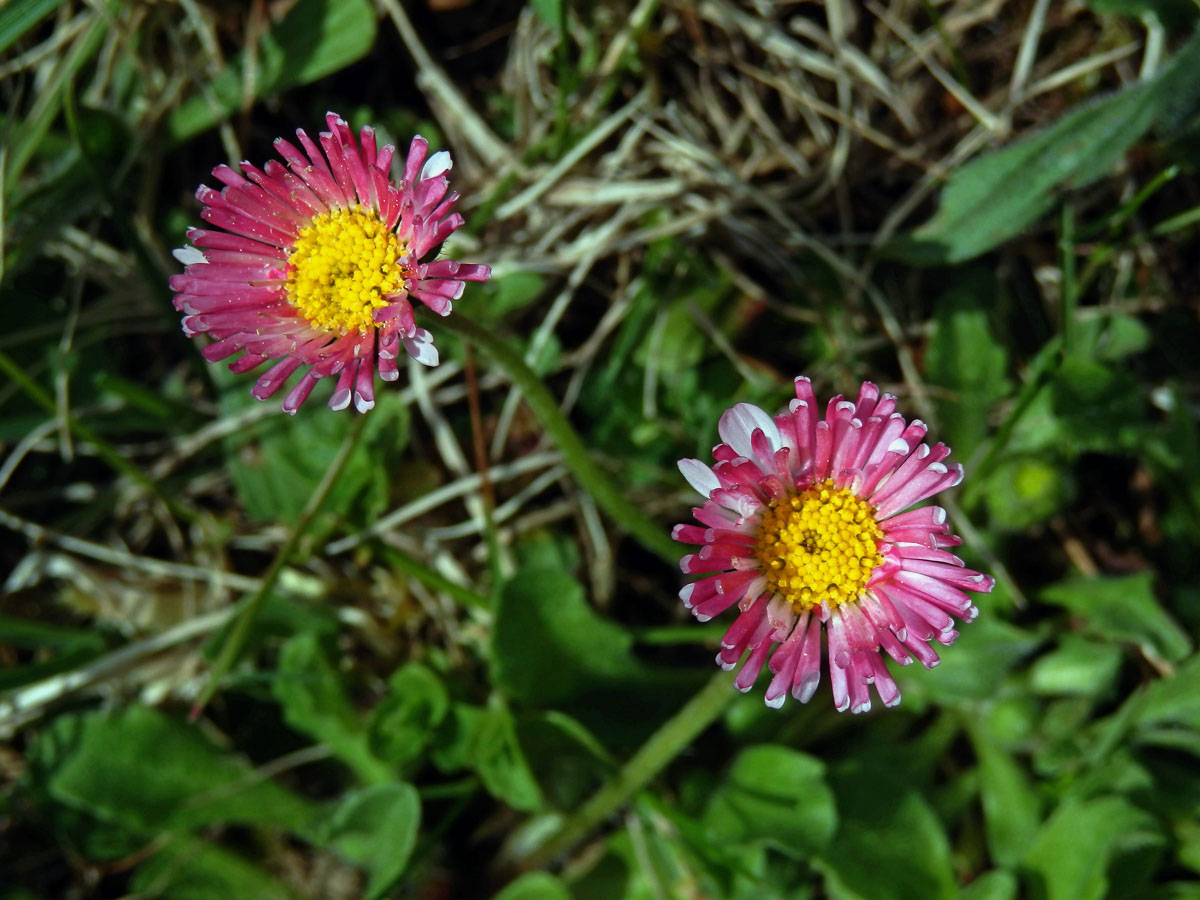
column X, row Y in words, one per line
column 914, row 595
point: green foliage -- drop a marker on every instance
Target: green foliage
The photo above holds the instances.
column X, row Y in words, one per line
column 277, row 463
column 403, row 723
column 166, row 776
column 548, row 645
column 776, row 795
column 966, row 359
column 376, row 827
column 535, row 886
column 422, row 706
column 18, row 17
column 994, row 198
column 314, row 701
column 1123, row 609
column 1072, row 854
column 314, row 39
column 196, row 870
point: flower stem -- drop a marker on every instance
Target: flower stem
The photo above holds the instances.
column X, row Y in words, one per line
column 663, row 746
column 611, row 498
column 241, row 628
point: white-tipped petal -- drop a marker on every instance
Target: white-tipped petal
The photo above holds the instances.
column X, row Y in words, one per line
column 699, row 476
column 436, row 165
column 189, row 256
column 738, row 424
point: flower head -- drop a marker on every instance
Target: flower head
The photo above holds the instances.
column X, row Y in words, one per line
column 316, row 263
column 804, row 526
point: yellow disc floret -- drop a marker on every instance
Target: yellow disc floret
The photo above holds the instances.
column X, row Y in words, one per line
column 342, row 266
column 819, row 545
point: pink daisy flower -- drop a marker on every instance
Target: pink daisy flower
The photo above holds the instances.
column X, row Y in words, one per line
column 805, row 526
column 315, row 264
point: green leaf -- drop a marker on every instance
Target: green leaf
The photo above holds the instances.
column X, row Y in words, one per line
column 455, row 739
column 500, row 762
column 547, row 643
column 998, row 884
column 1075, row 847
column 535, row 886
column 1023, row 491
column 1010, row 806
column 1124, row 609
column 192, row 869
column 376, row 827
column 1078, row 666
column 777, row 795
column 1173, row 700
column 965, row 357
column 890, row 844
column 972, row 668
column 316, row 38
column 403, row 724
column 277, row 463
column 508, row 293
column 567, row 760
column 310, row 692
column 992, row 199
column 166, row 775
column 1101, row 407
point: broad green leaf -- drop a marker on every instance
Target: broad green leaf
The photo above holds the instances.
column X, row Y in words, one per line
column 548, row 645
column 403, row 723
column 973, row 667
column 774, row 794
column 192, row 869
column 310, row 692
column 994, row 198
column 1100, row 406
column 166, row 775
column 1174, row 698
column 1123, row 608
column 314, row 39
column 455, row 738
column 1010, row 806
column 1078, row 666
column 890, row 845
column 1073, row 850
column 376, row 827
column 500, row 762
column 966, row 359
column 998, row 884
column 535, row 886
column 567, row 760
column 508, row 293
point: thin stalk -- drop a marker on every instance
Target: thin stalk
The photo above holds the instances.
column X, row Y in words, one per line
column 103, row 448
column 241, row 628
column 659, row 750
column 608, row 496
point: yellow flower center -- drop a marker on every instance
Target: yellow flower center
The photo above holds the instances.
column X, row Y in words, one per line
column 342, row 266
column 819, row 545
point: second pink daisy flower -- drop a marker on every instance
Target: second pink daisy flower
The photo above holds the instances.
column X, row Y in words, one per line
column 806, row 528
